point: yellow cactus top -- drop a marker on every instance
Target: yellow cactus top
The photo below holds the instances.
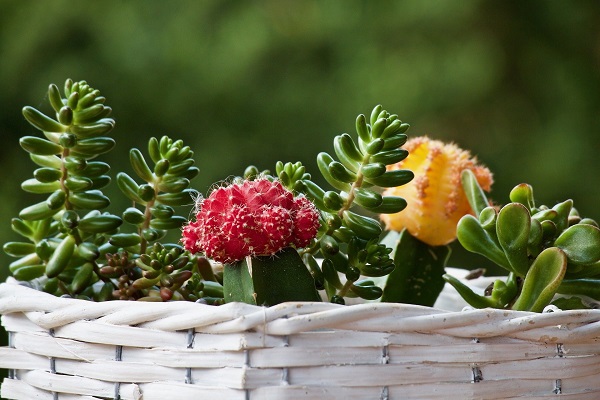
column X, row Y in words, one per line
column 435, row 197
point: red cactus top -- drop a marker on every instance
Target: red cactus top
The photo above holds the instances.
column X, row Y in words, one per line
column 251, row 218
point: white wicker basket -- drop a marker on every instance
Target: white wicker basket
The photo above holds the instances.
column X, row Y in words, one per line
column 72, row 349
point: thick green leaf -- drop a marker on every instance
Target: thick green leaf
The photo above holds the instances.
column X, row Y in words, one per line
column 581, row 244
column 474, row 238
column 563, row 210
column 523, row 194
column 417, row 278
column 474, row 299
column 475, row 195
column 542, row 280
column 512, row 228
column 582, row 287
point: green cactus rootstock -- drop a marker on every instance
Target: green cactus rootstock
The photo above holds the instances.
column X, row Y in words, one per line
column 547, row 251
column 69, row 246
column 270, row 280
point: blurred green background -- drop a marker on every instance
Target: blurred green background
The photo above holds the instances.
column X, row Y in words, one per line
column 516, row 82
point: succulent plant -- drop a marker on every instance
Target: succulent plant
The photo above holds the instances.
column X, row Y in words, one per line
column 72, row 248
column 545, row 250
column 235, row 226
column 348, row 241
column 252, row 218
column 282, row 237
column 267, row 230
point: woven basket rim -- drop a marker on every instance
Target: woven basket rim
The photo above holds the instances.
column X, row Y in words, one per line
column 49, row 311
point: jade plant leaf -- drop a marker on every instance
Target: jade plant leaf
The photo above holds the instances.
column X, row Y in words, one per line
column 474, row 238
column 269, row 280
column 512, row 228
column 523, row 194
column 542, row 280
column 583, row 287
column 417, row 278
column 581, row 244
column 474, row 299
column 583, row 271
column 475, row 195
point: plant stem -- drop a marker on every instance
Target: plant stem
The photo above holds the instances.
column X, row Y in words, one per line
column 357, row 184
column 344, row 290
column 205, row 269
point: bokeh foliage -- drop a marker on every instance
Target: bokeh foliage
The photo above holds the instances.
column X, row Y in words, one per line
column 516, row 82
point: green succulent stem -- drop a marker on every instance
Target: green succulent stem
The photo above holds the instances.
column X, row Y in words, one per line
column 65, row 174
column 357, row 184
column 205, row 269
column 146, row 224
column 345, row 289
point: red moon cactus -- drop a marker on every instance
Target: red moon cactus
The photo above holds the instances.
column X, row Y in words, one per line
column 252, row 218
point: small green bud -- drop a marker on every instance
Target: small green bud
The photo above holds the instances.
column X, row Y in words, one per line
column 162, row 211
column 65, row 115
column 73, row 98
column 352, row 274
column 146, row 192
column 61, row 257
column 56, row 200
column 373, row 170
column 362, row 129
column 152, row 235
column 393, row 178
column 67, row 140
column 367, row 291
column 78, row 183
column 39, row 146
column 69, row 219
column 75, row 164
column 161, row 167
column 329, row 245
column 375, row 146
column 47, row 175
column 377, row 130
column 125, row 239
column 100, row 223
column 333, row 200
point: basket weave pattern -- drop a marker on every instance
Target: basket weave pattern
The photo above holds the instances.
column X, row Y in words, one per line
column 72, row 349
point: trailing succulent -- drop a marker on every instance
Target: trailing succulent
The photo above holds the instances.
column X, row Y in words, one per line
column 546, row 251
column 71, row 246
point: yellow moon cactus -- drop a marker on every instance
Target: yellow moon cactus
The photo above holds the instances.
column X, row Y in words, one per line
column 435, row 197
